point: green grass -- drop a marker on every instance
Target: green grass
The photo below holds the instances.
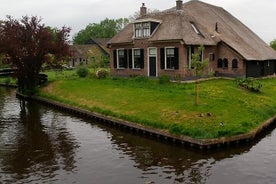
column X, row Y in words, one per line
column 171, row 106
column 8, row 81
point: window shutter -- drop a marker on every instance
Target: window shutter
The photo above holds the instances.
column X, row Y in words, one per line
column 162, row 58
column 125, row 58
column 142, row 58
column 115, row 58
column 176, row 59
column 130, row 58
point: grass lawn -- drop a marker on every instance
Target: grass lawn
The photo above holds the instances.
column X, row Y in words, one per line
column 171, row 106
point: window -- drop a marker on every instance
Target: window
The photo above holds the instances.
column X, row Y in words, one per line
column 146, row 29
column 120, row 58
column 225, row 63
column 195, row 28
column 190, row 52
column 169, row 58
column 234, row 63
column 137, row 59
column 201, row 55
column 142, row 29
column 219, row 63
column 211, row 57
column 152, row 52
column 138, row 30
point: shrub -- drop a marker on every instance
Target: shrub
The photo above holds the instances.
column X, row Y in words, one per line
column 250, row 84
column 101, row 74
column 7, row 81
column 82, row 71
column 164, row 79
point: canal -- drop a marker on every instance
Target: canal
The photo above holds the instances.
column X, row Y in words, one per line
column 42, row 145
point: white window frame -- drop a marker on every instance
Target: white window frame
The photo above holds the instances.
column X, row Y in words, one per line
column 166, row 57
column 117, row 55
column 190, row 57
column 156, row 59
column 142, row 29
column 133, row 57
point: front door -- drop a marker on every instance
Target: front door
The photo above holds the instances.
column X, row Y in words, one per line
column 152, row 66
column 152, row 55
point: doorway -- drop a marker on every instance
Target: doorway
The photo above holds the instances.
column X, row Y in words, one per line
column 152, row 55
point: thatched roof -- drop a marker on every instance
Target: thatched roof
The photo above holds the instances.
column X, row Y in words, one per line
column 213, row 25
column 101, row 42
column 85, row 51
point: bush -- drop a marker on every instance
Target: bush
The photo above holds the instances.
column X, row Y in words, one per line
column 82, row 71
column 164, row 79
column 101, row 74
column 7, row 81
column 250, row 84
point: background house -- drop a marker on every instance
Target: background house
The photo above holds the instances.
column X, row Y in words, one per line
column 93, row 51
column 162, row 43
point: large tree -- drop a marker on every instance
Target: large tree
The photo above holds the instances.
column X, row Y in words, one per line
column 28, row 45
column 107, row 28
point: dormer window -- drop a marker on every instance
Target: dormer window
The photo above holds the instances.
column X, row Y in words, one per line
column 138, row 30
column 195, row 28
column 145, row 28
column 142, row 29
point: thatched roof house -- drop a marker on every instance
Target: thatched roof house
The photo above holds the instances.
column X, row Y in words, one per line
column 163, row 42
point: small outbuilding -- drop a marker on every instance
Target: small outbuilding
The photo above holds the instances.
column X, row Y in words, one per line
column 93, row 50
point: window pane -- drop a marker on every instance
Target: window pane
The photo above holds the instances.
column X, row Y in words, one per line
column 146, row 32
column 146, row 24
column 137, row 58
column 121, row 59
column 170, row 58
column 137, row 52
column 170, row 51
column 235, row 63
column 152, row 51
column 137, row 25
column 120, row 52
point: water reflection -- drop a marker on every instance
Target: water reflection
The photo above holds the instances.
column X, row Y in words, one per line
column 39, row 144
column 31, row 149
column 171, row 162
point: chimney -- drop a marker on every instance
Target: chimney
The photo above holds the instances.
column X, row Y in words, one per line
column 143, row 9
column 178, row 4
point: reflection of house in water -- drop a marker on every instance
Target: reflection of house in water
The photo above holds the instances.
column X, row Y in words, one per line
column 94, row 50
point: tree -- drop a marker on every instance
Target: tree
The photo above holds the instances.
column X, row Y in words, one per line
column 29, row 44
column 105, row 29
column 199, row 67
column 136, row 14
column 273, row 44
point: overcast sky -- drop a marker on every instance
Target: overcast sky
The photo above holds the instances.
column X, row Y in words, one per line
column 258, row 15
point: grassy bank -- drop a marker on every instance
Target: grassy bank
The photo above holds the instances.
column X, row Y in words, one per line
column 171, row 106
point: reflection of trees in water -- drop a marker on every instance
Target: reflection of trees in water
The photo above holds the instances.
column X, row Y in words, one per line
column 181, row 164
column 41, row 148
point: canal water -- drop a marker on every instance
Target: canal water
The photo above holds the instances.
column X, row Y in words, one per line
column 42, row 145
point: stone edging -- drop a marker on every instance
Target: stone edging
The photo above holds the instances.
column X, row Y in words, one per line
column 203, row 144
